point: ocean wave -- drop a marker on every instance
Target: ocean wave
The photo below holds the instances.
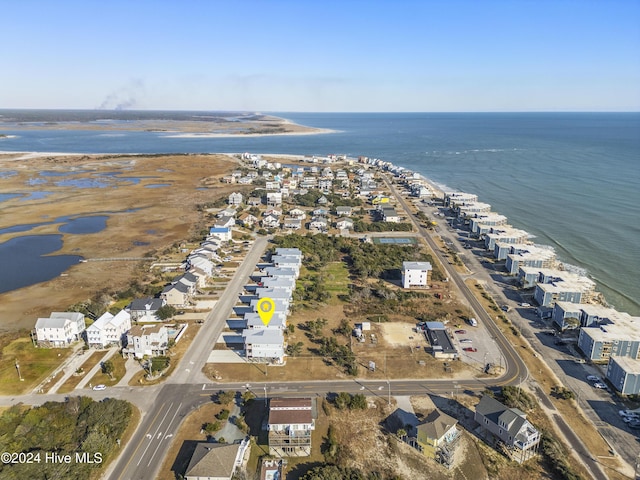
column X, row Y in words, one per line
column 473, row 150
column 575, row 269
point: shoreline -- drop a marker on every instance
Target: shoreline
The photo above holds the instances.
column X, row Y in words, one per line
column 437, row 189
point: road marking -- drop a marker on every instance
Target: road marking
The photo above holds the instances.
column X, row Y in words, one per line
column 155, row 433
column 139, row 444
column 168, row 427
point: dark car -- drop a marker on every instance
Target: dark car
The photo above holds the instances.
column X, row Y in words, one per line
column 470, row 349
column 461, row 332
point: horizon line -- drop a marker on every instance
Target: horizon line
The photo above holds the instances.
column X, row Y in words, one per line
column 311, row 111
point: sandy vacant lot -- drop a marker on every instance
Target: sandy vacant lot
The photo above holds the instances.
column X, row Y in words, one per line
column 402, row 334
column 142, row 221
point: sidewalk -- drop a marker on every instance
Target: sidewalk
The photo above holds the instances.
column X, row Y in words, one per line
column 73, row 363
column 68, row 367
column 89, row 375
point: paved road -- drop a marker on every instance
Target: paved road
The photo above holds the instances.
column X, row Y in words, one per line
column 144, row 454
column 516, row 370
column 190, row 368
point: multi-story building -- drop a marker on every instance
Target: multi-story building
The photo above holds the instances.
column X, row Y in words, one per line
column 150, row 341
column 624, row 374
column 509, row 426
column 61, row 329
column 599, row 343
column 415, row 274
column 438, row 437
column 291, row 423
column 529, row 256
column 504, row 234
column 109, row 330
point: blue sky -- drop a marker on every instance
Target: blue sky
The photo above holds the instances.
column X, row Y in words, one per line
column 349, row 55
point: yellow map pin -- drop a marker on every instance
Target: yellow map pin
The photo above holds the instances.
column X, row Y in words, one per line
column 266, row 307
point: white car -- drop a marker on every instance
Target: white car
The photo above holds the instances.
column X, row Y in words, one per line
column 98, row 388
column 593, row 378
column 525, row 304
column 628, row 414
column 600, row 385
column 466, row 340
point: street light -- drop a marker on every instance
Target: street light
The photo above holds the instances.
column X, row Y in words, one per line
column 265, row 395
column 389, row 394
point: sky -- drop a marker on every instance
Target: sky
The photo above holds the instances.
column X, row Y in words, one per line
column 322, row 55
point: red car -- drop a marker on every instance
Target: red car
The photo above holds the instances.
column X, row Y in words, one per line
column 461, row 332
column 470, row 349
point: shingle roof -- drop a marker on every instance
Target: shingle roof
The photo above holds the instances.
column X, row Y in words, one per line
column 212, row 459
column 436, row 424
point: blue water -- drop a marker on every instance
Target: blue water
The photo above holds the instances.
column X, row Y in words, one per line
column 28, row 261
column 570, row 179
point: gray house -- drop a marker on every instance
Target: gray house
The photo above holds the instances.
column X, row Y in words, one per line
column 509, row 427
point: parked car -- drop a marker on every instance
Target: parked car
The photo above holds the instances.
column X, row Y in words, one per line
column 593, row 378
column 634, row 424
column 600, row 385
column 466, row 340
column 628, row 413
column 525, row 304
column 461, row 332
column 470, row 349
column 100, row 387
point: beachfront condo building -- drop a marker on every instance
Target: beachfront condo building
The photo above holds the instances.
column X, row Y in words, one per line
column 599, row 343
column 504, row 234
column 482, row 223
column 455, row 199
column 473, row 208
column 529, row 256
column 586, row 315
column 568, row 287
column 624, row 374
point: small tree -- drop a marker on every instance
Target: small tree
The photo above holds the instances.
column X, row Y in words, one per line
column 343, row 400
column 225, row 398
column 295, row 349
column 108, row 368
column 166, row 312
column 358, row 402
column 223, row 415
column 211, row 427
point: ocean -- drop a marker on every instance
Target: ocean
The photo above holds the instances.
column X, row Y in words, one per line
column 570, row 179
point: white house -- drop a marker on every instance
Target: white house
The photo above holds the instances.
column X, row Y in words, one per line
column 222, row 233
column 225, row 222
column 345, row 223
column 318, row 223
column 147, row 341
column 60, row 329
column 415, row 274
column 270, row 221
column 235, row 198
column 264, row 344
column 109, row 330
column 344, row 211
column 274, row 198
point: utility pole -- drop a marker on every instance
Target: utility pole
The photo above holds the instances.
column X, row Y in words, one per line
column 265, row 395
column 18, row 369
column 389, row 393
